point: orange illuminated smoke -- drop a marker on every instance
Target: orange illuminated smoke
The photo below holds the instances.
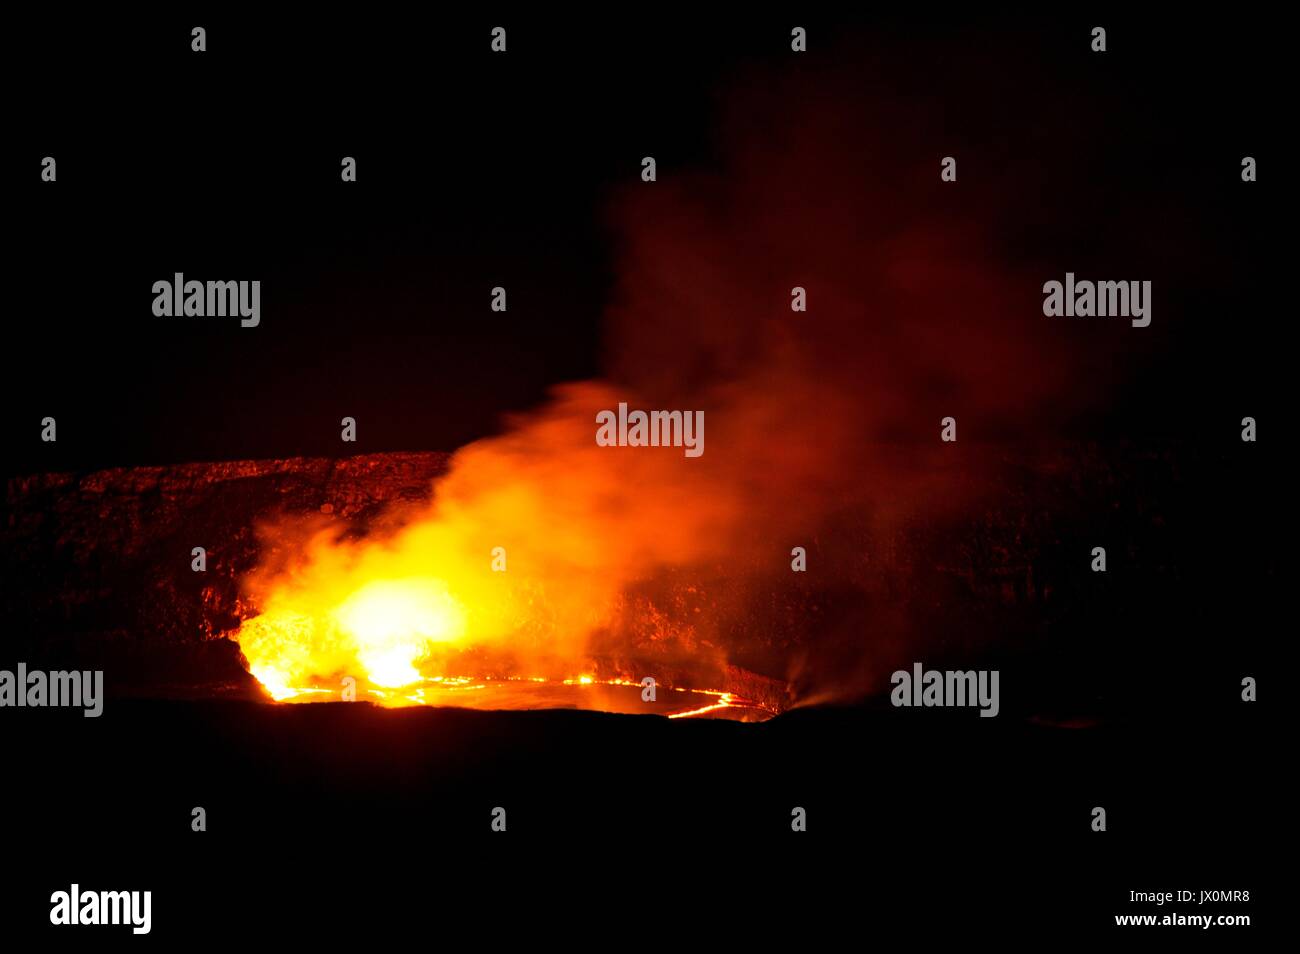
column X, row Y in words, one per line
column 489, row 596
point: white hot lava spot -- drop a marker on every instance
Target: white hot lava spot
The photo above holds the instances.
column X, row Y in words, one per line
column 392, row 623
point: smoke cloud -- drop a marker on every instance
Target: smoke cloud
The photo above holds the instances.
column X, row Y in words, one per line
column 918, row 307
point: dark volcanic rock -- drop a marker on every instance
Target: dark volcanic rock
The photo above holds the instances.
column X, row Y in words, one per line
column 97, row 567
column 97, row 575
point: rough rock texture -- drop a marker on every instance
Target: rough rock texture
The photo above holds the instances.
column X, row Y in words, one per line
column 97, row 567
column 97, row 573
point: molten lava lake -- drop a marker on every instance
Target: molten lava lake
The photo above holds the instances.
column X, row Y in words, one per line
column 521, row 694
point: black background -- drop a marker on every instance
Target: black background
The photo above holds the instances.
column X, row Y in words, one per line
column 477, row 170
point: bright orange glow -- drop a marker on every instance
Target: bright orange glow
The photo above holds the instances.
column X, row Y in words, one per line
column 393, row 621
column 362, row 615
column 531, row 561
column 538, row 693
column 525, row 552
column 725, row 700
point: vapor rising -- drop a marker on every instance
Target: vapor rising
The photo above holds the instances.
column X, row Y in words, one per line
column 544, row 554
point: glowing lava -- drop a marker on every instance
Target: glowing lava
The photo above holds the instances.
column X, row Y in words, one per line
column 599, row 695
column 379, row 633
column 388, row 634
column 392, row 623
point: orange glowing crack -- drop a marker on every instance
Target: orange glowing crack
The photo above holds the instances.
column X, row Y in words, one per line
column 415, row 695
column 725, row 700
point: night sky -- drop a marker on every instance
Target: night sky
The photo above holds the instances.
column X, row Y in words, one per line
column 476, row 171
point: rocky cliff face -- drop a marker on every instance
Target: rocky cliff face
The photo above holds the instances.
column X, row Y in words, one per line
column 97, row 571
column 98, row 567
